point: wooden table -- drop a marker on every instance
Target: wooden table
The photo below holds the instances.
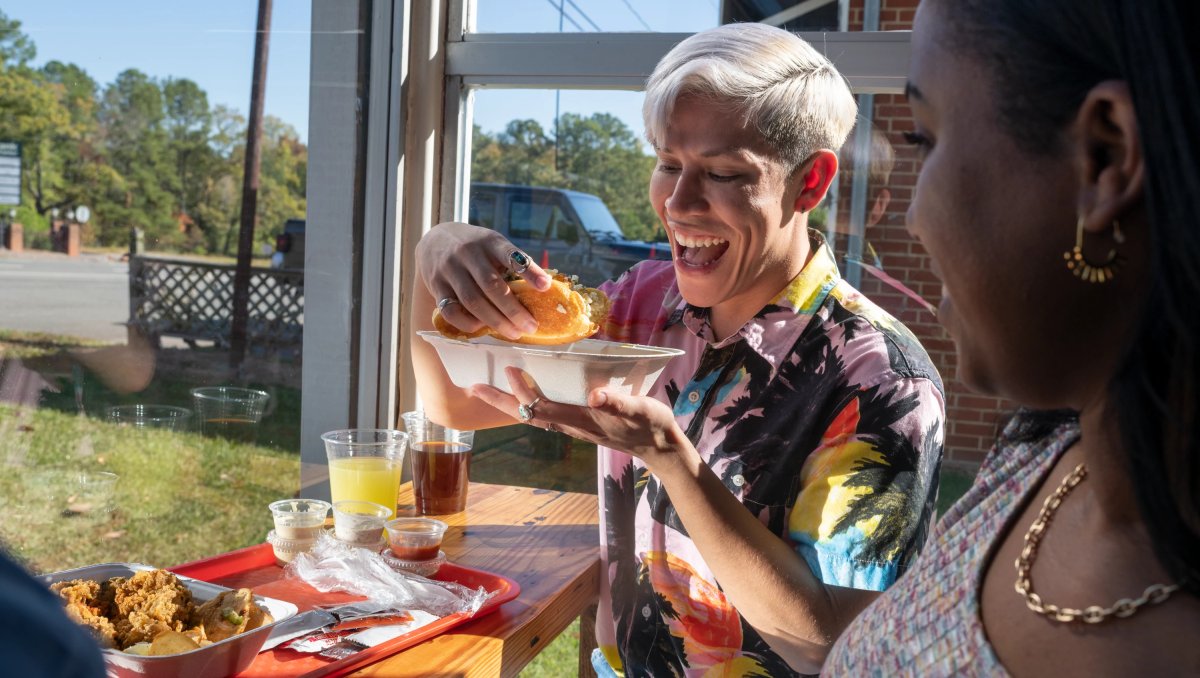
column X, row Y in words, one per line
column 546, row 541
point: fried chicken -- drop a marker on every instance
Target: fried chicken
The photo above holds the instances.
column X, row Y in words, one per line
column 149, row 603
column 88, row 603
column 123, row 612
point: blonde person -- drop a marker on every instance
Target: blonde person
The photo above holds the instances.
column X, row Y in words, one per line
column 780, row 473
column 1057, row 198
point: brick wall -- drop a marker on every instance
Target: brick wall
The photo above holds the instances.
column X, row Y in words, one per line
column 971, row 419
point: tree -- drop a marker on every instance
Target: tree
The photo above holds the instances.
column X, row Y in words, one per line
column 136, row 143
column 597, row 154
column 282, row 178
column 71, row 169
column 188, row 126
column 601, row 155
column 16, row 49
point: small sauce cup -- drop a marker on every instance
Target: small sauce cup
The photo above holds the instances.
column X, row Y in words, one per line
column 359, row 523
column 415, row 539
column 299, row 519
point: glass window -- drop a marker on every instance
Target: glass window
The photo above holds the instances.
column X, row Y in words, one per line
column 587, row 145
column 129, row 429
column 585, row 16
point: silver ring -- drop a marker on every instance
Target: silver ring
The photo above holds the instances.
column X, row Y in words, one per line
column 446, row 301
column 551, row 427
column 520, row 261
column 525, row 412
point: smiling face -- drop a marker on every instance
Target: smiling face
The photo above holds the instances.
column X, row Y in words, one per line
column 996, row 219
column 729, row 207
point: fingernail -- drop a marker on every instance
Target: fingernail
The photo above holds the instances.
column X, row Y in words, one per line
column 598, row 398
column 529, row 326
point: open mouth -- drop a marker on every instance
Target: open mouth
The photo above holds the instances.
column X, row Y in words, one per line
column 699, row 251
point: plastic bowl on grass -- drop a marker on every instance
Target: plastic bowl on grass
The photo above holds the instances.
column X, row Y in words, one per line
column 564, row 373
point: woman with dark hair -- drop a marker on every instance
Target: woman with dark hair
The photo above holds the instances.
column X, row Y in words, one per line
column 1057, row 198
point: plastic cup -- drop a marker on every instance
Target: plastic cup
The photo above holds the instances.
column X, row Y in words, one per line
column 365, row 464
column 164, row 417
column 415, row 539
column 441, row 464
column 359, row 522
column 230, row 412
column 299, row 519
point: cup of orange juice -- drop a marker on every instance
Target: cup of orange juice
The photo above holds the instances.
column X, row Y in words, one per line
column 365, row 464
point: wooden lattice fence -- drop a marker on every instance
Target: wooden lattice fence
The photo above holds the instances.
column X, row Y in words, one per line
column 194, row 301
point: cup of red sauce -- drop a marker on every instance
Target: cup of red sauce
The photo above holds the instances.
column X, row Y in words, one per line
column 415, row 539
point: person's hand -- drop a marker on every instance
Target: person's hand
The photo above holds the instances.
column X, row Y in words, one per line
column 641, row 426
column 464, row 267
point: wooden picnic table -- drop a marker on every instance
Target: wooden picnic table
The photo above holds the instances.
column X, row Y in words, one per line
column 548, row 542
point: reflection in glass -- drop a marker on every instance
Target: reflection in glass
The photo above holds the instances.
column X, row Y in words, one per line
column 118, row 282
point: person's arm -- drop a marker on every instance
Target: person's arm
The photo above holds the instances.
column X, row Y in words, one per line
column 466, row 263
column 767, row 581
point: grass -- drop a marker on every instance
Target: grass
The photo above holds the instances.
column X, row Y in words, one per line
column 177, row 496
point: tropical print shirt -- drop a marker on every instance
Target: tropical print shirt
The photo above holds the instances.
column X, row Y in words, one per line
column 823, row 415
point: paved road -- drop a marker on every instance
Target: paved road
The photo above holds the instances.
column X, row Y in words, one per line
column 85, row 296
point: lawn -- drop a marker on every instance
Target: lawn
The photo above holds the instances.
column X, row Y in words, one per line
column 176, row 497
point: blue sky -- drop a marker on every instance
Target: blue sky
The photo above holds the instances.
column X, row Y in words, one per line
column 212, row 43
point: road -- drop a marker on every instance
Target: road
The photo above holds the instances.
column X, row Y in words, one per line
column 85, row 296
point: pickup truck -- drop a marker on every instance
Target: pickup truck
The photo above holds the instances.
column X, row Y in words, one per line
column 568, row 230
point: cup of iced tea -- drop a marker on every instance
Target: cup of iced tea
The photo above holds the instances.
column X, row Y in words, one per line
column 365, row 464
column 230, row 412
column 441, row 464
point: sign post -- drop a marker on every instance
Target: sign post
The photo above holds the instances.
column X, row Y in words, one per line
column 10, row 173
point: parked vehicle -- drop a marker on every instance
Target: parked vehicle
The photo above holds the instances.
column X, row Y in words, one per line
column 568, row 230
column 289, row 246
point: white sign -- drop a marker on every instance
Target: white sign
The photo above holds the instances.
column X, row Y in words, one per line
column 10, row 173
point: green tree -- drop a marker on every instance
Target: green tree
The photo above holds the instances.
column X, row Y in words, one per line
column 137, row 145
column 598, row 154
column 16, row 49
column 282, row 179
column 218, row 209
column 601, row 155
column 71, row 169
column 188, row 125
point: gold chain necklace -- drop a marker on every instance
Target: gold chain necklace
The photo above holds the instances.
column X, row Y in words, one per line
column 1155, row 593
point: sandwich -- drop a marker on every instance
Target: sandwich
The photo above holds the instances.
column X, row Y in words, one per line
column 565, row 312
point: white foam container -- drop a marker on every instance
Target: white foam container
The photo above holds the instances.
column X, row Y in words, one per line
column 223, row 658
column 564, row 373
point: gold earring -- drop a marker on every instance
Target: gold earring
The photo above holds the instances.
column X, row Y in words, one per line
column 1091, row 272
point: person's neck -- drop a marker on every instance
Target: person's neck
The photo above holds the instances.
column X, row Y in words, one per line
column 1108, row 484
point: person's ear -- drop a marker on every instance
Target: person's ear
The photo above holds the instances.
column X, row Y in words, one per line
column 1112, row 168
column 882, row 197
column 814, row 176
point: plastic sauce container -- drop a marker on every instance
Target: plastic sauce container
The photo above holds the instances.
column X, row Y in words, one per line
column 286, row 549
column 299, row 519
column 415, row 539
column 359, row 523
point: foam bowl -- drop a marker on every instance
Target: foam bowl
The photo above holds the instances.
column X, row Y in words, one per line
column 223, row 658
column 564, row 373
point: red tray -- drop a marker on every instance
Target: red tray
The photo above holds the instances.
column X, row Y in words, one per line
column 254, row 567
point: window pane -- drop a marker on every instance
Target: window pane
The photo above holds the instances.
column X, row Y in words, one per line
column 674, row 16
column 118, row 276
column 585, row 16
column 574, row 196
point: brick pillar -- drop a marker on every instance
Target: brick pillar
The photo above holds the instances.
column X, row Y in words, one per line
column 71, row 242
column 14, row 238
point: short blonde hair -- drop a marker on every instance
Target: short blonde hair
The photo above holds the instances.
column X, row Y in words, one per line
column 773, row 79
